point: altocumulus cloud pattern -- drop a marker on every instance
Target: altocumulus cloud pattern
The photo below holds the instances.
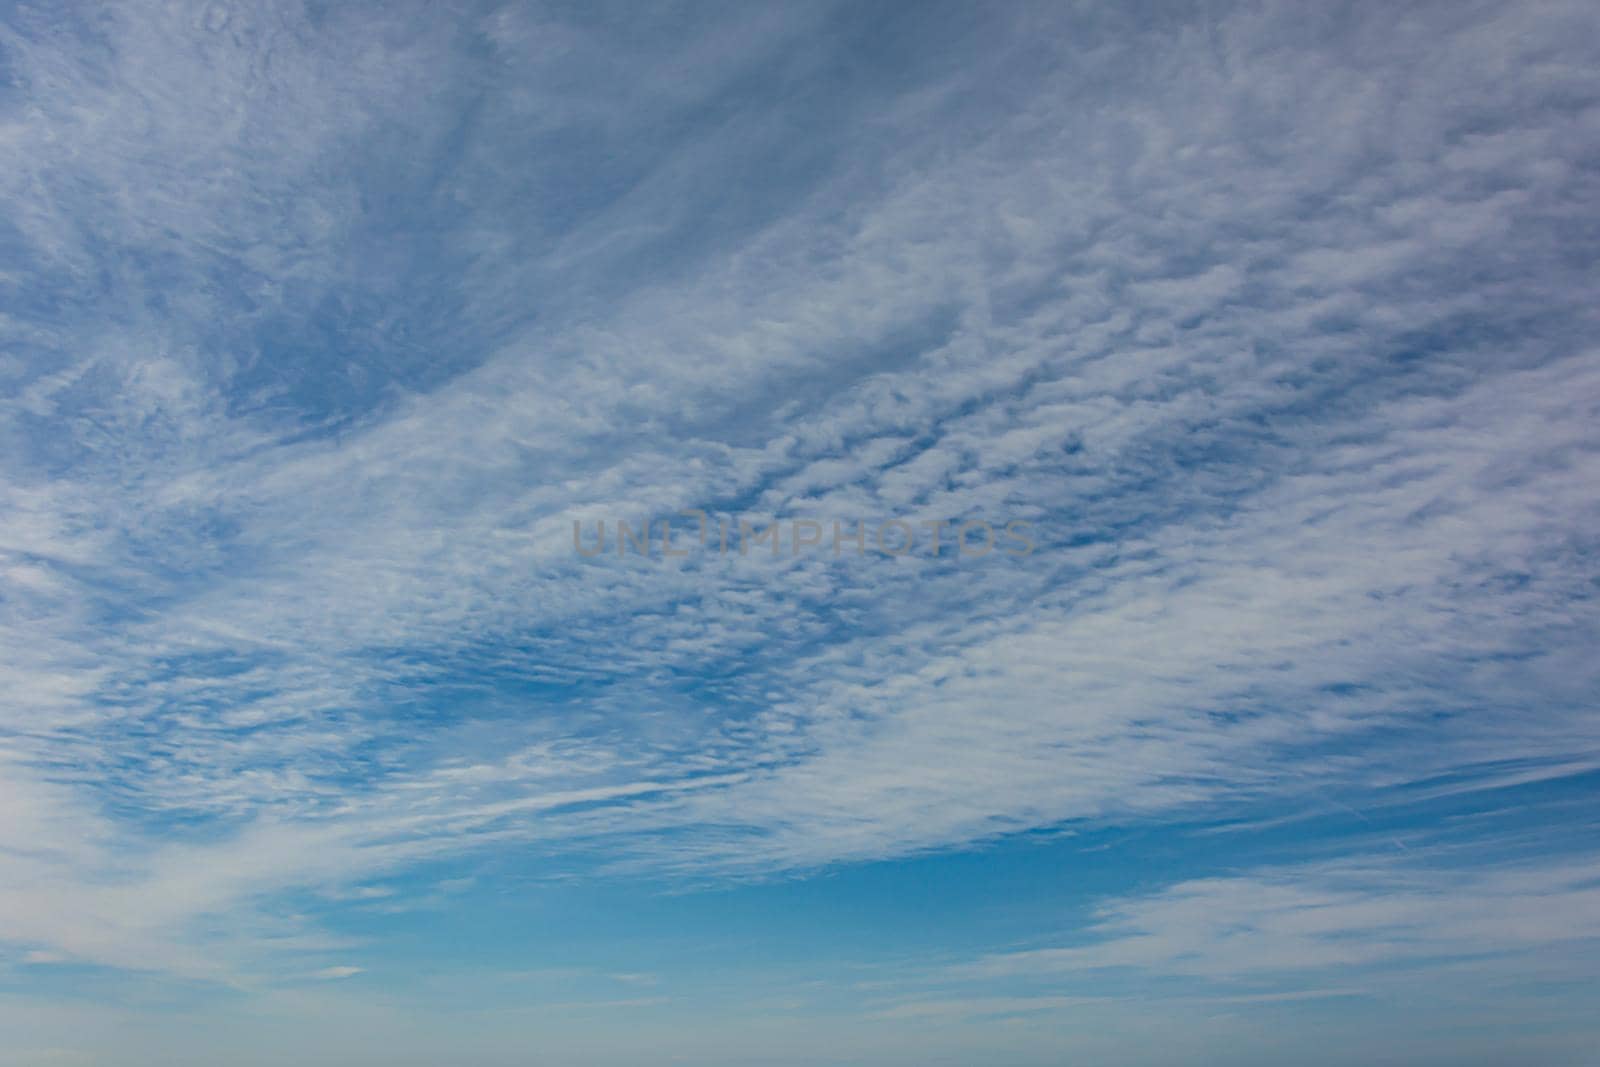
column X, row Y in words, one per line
column 324, row 325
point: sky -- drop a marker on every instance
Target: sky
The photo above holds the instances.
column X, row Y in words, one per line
column 1123, row 504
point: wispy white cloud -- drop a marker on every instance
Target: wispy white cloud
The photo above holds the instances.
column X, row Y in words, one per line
column 1347, row 916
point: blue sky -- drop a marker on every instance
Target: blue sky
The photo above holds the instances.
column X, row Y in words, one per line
column 323, row 325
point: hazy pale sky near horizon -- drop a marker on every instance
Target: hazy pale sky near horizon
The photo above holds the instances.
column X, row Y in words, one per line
column 1272, row 325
